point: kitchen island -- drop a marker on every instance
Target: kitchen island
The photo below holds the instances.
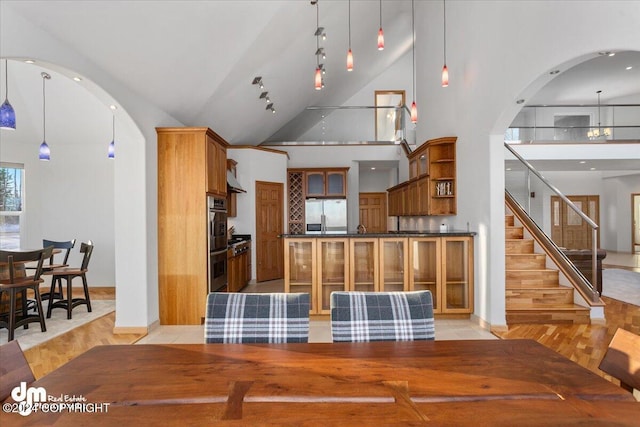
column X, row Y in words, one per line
column 441, row 262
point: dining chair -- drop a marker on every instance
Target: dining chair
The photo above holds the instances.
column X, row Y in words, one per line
column 257, row 317
column 381, row 316
column 14, row 369
column 622, row 359
column 68, row 274
column 65, row 247
column 15, row 281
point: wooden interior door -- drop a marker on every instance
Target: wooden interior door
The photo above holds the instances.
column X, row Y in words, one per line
column 269, row 225
column 373, row 212
column 568, row 229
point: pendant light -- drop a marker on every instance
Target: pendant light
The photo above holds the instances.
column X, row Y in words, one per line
column 349, row 53
column 7, row 114
column 380, row 32
column 45, row 153
column 111, row 151
column 445, row 70
column 318, row 34
column 414, row 107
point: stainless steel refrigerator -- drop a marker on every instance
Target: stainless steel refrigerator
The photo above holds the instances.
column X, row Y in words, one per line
column 326, row 216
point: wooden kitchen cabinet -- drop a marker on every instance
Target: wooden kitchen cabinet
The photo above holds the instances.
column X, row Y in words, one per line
column 431, row 189
column 364, row 265
column 444, row 266
column 326, row 182
column 300, row 272
column 333, row 270
column 191, row 164
column 393, row 265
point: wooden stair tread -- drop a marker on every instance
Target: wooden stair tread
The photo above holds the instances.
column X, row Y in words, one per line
column 542, row 307
column 541, row 270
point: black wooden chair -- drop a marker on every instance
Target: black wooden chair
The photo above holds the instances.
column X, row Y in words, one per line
column 65, row 247
column 68, row 274
column 15, row 281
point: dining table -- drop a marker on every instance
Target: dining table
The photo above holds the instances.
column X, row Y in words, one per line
column 408, row 383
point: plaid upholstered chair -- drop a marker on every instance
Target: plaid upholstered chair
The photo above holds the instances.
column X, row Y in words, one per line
column 382, row 316
column 257, row 318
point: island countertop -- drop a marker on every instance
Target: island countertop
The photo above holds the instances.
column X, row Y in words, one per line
column 402, row 233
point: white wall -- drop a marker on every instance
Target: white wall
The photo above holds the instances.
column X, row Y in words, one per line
column 255, row 165
column 485, row 82
column 616, row 203
column 134, row 169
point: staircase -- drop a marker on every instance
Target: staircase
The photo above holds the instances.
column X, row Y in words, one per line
column 533, row 292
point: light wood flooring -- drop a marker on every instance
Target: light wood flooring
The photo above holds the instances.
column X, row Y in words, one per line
column 584, row 344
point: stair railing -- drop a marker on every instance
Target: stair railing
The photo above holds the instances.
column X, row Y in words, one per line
column 521, row 196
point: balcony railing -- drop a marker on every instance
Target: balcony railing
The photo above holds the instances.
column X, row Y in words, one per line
column 575, row 123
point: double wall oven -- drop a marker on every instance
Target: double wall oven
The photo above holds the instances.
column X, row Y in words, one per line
column 217, row 243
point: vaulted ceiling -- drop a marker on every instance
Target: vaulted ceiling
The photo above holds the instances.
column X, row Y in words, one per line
column 196, row 60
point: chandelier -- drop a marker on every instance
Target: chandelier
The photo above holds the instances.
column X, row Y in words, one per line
column 599, row 132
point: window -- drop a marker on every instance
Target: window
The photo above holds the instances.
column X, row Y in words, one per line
column 11, row 204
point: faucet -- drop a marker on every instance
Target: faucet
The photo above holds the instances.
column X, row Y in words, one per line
column 361, row 229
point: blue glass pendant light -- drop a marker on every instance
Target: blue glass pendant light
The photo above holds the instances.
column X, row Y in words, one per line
column 112, row 145
column 45, row 153
column 7, row 114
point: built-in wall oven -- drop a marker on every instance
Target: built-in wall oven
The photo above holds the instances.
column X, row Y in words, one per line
column 217, row 243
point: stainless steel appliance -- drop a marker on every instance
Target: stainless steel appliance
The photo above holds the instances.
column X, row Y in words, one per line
column 326, row 216
column 217, row 243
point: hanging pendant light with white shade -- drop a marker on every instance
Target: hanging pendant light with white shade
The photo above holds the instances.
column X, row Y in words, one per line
column 445, row 70
column 380, row 32
column 7, row 113
column 414, row 107
column 45, row 152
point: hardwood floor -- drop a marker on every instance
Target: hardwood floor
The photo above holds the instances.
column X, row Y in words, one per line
column 49, row 355
column 584, row 344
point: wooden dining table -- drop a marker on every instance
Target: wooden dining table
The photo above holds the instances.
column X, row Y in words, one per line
column 420, row 383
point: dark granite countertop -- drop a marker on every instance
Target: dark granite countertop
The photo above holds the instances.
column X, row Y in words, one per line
column 408, row 233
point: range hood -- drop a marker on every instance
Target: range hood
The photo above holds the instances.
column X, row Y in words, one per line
column 233, row 185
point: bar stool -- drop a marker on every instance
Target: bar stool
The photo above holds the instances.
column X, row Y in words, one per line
column 68, row 274
column 17, row 282
column 63, row 246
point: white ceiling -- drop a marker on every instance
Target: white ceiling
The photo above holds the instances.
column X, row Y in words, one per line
column 196, row 59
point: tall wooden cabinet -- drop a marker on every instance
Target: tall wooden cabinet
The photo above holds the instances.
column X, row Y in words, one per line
column 191, row 165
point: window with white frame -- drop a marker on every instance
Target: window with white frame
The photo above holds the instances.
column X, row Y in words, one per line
column 11, row 204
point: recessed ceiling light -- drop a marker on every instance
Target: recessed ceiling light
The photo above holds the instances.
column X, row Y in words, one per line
column 508, row 169
column 77, row 79
column 113, row 107
column 520, row 101
column 593, row 169
column 29, row 61
column 629, row 67
column 582, row 162
column 554, row 72
column 606, row 53
column 373, row 168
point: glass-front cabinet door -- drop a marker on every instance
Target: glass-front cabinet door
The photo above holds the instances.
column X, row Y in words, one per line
column 457, row 275
column 363, row 271
column 333, row 269
column 299, row 274
column 424, row 267
column 393, row 265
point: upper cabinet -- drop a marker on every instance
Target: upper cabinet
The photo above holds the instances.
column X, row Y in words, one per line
column 431, row 189
column 325, row 182
column 216, row 164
